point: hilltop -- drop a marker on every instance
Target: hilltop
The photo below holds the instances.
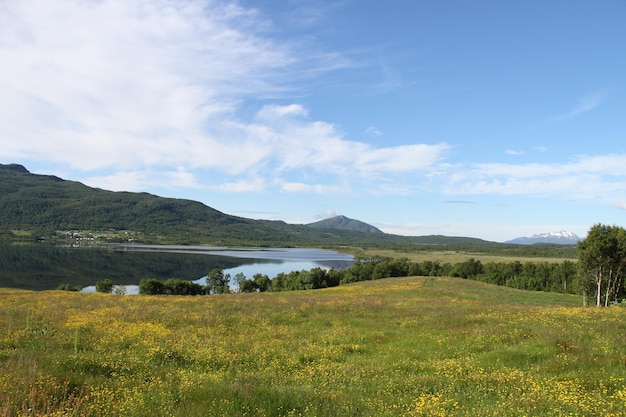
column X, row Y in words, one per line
column 344, row 223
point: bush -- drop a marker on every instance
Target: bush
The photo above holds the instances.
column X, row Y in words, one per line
column 151, row 286
column 106, row 285
column 170, row 286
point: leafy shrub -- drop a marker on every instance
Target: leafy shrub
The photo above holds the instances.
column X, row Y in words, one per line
column 106, row 285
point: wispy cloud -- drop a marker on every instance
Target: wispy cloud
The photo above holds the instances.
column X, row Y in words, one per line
column 513, row 152
column 127, row 88
column 248, row 185
column 588, row 178
column 299, row 187
column 326, row 214
column 584, row 105
column 373, row 131
column 391, row 79
column 459, row 202
column 140, row 180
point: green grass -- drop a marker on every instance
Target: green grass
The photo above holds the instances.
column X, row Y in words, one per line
column 454, row 257
column 21, row 233
column 394, row 347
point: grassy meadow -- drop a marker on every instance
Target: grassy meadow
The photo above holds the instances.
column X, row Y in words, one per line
column 394, row 347
column 454, row 257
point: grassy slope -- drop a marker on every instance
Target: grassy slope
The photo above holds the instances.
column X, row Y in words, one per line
column 395, row 347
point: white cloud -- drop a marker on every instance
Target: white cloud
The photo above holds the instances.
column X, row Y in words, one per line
column 133, row 87
column 326, row 214
column 126, row 83
column 272, row 112
column 142, row 180
column 513, row 152
column 299, row 187
column 398, row 159
column 598, row 178
column 245, row 185
column 120, row 181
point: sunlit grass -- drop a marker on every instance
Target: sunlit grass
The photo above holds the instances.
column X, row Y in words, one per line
column 395, row 347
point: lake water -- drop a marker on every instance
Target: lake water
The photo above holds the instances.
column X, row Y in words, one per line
column 43, row 267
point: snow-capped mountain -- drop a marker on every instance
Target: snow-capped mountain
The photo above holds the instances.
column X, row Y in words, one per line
column 562, row 237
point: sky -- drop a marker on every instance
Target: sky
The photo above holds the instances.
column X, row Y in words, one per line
column 487, row 119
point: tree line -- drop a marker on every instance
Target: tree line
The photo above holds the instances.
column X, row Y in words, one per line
column 559, row 277
column 598, row 274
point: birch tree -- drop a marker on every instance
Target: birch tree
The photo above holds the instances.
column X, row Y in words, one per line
column 602, row 262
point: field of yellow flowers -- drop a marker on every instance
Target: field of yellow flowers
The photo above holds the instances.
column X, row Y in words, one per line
column 393, row 347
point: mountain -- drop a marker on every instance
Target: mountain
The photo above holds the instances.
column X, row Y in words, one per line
column 31, row 201
column 562, row 238
column 43, row 204
column 344, row 223
column 39, row 205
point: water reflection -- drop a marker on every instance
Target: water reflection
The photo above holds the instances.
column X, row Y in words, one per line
column 41, row 267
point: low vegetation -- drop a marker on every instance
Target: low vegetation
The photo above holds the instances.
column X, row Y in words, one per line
column 563, row 277
column 396, row 347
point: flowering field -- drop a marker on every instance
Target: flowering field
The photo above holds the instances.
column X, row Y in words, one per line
column 393, row 347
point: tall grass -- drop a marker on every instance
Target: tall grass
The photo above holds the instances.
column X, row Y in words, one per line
column 394, row 347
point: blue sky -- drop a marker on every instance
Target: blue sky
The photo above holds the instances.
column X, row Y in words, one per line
column 487, row 119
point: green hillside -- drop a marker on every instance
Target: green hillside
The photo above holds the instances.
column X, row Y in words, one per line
column 38, row 205
column 44, row 203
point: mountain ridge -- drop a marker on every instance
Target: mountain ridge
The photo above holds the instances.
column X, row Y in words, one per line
column 43, row 204
column 344, row 223
column 560, row 237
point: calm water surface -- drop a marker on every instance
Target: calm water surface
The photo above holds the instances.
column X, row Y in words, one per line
column 43, row 267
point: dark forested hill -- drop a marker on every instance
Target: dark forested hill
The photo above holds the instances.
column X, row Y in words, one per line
column 44, row 203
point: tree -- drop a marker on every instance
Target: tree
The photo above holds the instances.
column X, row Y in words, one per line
column 262, row 282
column 119, row 290
column 176, row 286
column 602, row 260
column 468, row 269
column 151, row 286
column 217, row 282
column 247, row 285
column 106, row 285
column 239, row 278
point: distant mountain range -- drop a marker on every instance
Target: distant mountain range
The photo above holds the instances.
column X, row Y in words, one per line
column 561, row 237
column 344, row 223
